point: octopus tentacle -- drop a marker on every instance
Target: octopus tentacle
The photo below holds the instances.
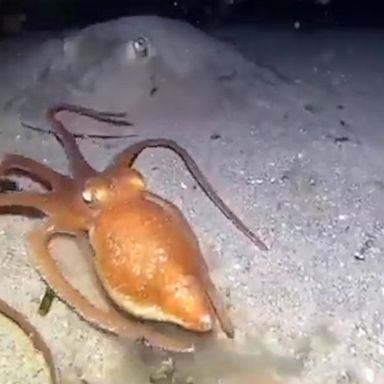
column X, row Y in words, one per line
column 43, row 202
column 13, row 163
column 103, row 116
column 80, row 168
column 37, row 340
column 128, row 156
column 219, row 308
column 47, row 203
column 110, row 321
column 68, row 228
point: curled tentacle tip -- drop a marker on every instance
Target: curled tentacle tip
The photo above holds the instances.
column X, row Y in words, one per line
column 259, row 243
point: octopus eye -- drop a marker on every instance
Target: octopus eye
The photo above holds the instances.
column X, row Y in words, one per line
column 87, row 196
column 94, row 195
column 140, row 47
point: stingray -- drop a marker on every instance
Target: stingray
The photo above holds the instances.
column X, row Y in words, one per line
column 164, row 75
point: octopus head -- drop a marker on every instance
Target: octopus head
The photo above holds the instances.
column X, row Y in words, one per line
column 106, row 189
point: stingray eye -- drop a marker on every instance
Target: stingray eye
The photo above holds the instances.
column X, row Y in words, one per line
column 140, row 47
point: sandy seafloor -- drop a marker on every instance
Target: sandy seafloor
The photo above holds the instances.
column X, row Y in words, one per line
column 287, row 126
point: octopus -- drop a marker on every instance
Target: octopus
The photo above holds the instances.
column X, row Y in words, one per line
column 146, row 258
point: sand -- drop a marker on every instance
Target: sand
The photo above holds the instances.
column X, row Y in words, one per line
column 287, row 127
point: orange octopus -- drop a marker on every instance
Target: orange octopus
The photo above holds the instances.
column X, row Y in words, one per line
column 145, row 254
